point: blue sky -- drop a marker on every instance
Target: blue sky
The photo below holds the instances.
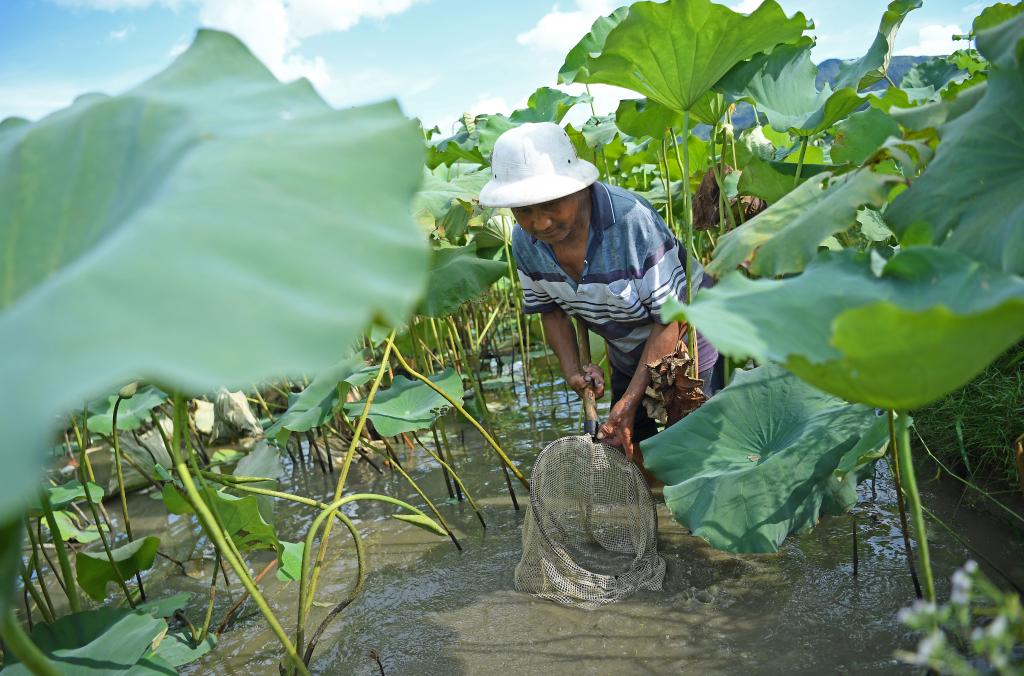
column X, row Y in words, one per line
column 439, row 58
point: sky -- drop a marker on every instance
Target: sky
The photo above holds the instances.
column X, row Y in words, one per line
column 439, row 58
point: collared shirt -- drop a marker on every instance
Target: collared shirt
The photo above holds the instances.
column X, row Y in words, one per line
column 633, row 265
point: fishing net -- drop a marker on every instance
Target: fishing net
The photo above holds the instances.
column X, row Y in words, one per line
column 591, row 530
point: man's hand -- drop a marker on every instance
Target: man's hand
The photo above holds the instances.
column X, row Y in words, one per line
column 590, row 376
column 617, row 430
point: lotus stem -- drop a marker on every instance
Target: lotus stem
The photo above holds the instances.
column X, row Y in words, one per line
column 346, row 464
column 458, row 407
column 910, row 486
column 26, row 579
column 209, row 604
column 62, row 554
column 120, row 488
column 305, row 592
column 38, row 567
column 904, row 527
column 18, row 642
column 800, row 161
column 691, row 331
column 209, row 524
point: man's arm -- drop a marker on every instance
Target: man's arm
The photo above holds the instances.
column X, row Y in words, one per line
column 561, row 337
column 618, row 429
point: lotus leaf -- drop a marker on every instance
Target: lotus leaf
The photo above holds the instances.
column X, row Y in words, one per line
column 590, row 46
column 68, row 492
column 94, row 570
column 263, row 461
column 933, row 115
column 675, row 52
column 928, row 323
column 409, row 405
column 786, row 236
column 177, row 649
column 130, row 414
column 871, row 68
column 70, row 528
column 975, row 206
column 215, row 227
column 994, row 15
column 289, row 566
column 436, row 195
column 10, row 558
column 166, row 607
column 772, row 180
column 316, row 404
column 934, row 73
column 458, row 275
column 99, row 642
column 859, row 135
column 239, row 516
column 643, row 117
column 548, row 105
column 421, row 521
column 782, row 85
column 755, row 463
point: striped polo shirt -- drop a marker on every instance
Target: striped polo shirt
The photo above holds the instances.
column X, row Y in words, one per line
column 633, row 265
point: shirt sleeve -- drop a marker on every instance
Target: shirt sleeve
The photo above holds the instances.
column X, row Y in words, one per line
column 664, row 272
column 535, row 299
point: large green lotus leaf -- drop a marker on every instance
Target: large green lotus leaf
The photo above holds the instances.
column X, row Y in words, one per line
column 589, row 46
column 263, row 461
column 871, row 68
column 94, row 570
column 644, row 117
column 240, row 516
column 1000, row 43
column 786, row 236
column 209, row 227
column 772, row 180
column 70, row 527
column 860, row 135
column 436, row 195
column 934, row 114
column 315, row 405
column 970, row 194
column 167, row 606
column 934, row 73
column 782, row 86
column 409, row 405
column 996, row 14
column 68, row 492
column 289, row 566
column 548, row 105
column 928, row 323
column 458, row 275
column 460, row 147
column 178, row 650
column 130, row 414
column 675, row 52
column 755, row 463
column 97, row 642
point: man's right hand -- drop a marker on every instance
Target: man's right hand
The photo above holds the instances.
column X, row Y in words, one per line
column 590, row 376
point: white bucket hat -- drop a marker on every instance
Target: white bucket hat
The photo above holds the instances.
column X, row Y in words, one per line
column 534, row 163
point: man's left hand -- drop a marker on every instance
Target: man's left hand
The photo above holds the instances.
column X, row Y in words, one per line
column 617, row 430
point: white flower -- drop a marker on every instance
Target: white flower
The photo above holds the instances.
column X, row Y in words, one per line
column 971, row 567
column 961, row 588
column 997, row 628
column 927, row 646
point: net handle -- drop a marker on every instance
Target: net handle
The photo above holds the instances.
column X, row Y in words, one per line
column 589, row 400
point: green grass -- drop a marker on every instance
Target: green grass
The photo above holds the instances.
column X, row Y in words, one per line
column 973, row 429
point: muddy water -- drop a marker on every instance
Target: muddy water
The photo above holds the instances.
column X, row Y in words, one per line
column 430, row 609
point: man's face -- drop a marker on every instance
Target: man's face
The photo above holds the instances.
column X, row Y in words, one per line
column 550, row 222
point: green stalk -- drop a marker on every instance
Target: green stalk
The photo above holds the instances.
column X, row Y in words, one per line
column 121, row 490
column 914, row 498
column 520, row 323
column 800, row 161
column 209, row 605
column 900, row 503
column 209, row 524
column 26, row 579
column 305, row 593
column 691, row 331
column 38, row 567
column 62, row 554
column 458, row 407
column 18, row 642
column 349, row 455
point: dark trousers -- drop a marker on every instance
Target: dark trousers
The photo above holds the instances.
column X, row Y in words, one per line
column 644, row 426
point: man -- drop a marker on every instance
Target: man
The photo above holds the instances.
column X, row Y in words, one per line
column 597, row 252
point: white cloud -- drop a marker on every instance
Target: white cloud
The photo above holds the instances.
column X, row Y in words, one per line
column 122, row 33
column 934, row 40
column 745, row 6
column 559, row 31
column 490, row 105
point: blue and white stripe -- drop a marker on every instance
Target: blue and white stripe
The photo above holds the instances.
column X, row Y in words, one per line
column 633, row 265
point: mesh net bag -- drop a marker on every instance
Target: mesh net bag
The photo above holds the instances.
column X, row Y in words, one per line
column 591, row 530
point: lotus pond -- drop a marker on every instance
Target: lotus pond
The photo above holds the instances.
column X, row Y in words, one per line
column 271, row 401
